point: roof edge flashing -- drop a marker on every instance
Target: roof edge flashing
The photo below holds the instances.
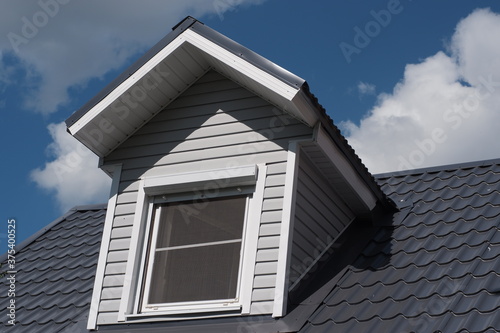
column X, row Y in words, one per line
column 248, row 55
column 188, row 20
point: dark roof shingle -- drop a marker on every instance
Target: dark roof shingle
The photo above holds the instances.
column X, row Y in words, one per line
column 435, row 269
column 438, row 270
column 55, row 274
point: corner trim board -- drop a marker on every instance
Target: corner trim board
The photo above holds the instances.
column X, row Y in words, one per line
column 287, row 221
column 103, row 252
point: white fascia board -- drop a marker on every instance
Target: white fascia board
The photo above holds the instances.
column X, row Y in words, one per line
column 305, row 109
column 241, row 65
column 338, row 159
column 125, row 85
column 211, row 49
column 281, row 88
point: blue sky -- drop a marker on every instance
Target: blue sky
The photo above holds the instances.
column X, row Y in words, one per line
column 410, row 83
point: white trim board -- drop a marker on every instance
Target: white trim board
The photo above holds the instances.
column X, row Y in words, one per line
column 103, row 252
column 287, row 221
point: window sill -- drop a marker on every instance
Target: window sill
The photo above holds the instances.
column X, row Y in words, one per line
column 202, row 311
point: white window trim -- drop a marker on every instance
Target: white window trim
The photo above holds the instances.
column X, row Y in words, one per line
column 178, row 183
column 202, row 305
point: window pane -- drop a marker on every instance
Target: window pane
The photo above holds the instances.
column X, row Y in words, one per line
column 202, row 221
column 195, row 274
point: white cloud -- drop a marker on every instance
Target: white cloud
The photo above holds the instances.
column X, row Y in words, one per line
column 65, row 43
column 73, row 175
column 445, row 109
column 366, row 88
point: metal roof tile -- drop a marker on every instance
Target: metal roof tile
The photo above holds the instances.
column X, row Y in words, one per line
column 36, row 288
column 482, row 301
column 473, row 321
column 55, row 273
column 401, row 290
column 438, row 271
column 35, row 259
column 442, row 229
column 92, row 239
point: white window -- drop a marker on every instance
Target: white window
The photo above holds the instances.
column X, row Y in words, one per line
column 196, row 238
column 195, row 252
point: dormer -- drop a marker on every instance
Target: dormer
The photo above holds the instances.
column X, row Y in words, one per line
column 229, row 183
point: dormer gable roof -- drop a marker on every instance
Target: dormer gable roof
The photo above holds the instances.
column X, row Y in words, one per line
column 174, row 64
column 168, row 69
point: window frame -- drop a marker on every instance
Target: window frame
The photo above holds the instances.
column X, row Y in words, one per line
column 152, row 191
column 150, row 247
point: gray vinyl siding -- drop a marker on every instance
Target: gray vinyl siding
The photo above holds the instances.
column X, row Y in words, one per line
column 320, row 216
column 269, row 238
column 214, row 124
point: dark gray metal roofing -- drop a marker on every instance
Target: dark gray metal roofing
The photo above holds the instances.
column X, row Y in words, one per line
column 435, row 269
column 432, row 267
column 55, row 274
